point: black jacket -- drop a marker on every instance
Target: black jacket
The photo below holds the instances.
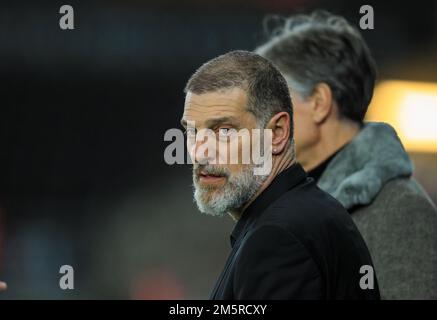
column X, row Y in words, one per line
column 295, row 242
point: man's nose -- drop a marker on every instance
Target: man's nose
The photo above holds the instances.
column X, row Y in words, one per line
column 201, row 151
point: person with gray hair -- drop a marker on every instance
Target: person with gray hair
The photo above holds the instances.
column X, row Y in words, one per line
column 331, row 76
column 291, row 240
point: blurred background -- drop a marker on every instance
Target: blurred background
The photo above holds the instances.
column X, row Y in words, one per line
column 83, row 114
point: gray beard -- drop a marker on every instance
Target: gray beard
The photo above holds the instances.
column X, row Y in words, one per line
column 237, row 191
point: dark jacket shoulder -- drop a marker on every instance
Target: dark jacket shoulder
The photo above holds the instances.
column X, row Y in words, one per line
column 312, row 232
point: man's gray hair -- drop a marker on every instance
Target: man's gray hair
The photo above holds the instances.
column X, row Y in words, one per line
column 324, row 48
column 266, row 88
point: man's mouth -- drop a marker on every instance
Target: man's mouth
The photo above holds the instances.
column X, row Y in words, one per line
column 206, row 177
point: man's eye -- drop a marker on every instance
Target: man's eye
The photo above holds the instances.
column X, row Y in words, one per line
column 224, row 132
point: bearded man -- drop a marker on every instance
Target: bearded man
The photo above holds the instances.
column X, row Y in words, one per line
column 291, row 240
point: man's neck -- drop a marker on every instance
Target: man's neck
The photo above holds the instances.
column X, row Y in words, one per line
column 280, row 164
column 333, row 137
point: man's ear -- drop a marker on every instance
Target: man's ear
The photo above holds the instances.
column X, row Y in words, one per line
column 322, row 103
column 280, row 126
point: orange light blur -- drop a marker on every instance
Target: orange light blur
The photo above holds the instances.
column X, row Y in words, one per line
column 411, row 108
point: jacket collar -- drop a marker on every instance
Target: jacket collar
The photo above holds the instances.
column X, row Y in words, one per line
column 359, row 171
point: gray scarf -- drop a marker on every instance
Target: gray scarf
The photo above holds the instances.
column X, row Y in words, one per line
column 359, row 171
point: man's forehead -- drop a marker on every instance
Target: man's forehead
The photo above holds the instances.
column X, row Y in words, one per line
column 234, row 99
column 211, row 107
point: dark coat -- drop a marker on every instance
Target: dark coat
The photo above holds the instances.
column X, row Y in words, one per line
column 295, row 242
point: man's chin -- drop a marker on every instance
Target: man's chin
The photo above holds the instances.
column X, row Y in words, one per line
column 213, row 213
column 207, row 197
column 207, row 209
column 208, row 201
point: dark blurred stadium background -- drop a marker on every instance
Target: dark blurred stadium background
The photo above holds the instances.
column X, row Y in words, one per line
column 83, row 115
